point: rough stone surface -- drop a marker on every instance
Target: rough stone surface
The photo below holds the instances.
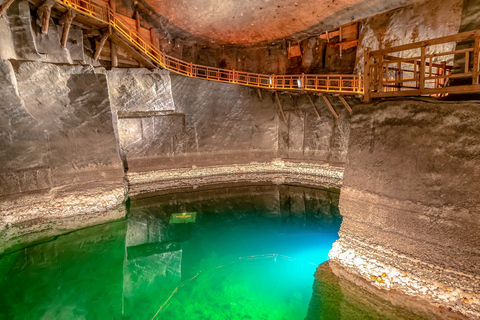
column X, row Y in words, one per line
column 30, row 44
column 264, row 20
column 56, row 138
column 416, row 22
column 277, row 171
column 217, row 123
column 410, row 201
column 346, row 296
column 133, row 90
column 7, row 49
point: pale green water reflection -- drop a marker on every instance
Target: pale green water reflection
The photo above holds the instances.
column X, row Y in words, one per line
column 251, row 254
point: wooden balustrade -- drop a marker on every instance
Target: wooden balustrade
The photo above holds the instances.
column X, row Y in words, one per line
column 342, row 84
column 418, row 69
column 407, row 70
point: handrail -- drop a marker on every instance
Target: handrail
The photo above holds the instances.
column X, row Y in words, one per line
column 418, row 69
column 343, row 84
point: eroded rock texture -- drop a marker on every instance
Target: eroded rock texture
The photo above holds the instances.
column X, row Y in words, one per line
column 410, row 201
column 205, row 123
column 30, row 44
column 413, row 23
column 57, row 140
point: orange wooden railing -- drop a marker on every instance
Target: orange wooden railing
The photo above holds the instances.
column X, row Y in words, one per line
column 343, row 84
column 423, row 68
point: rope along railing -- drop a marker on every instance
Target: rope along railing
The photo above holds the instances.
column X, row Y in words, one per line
column 343, row 84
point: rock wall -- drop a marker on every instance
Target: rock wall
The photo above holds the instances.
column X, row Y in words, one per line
column 416, row 22
column 192, row 122
column 58, row 147
column 410, row 203
column 30, row 44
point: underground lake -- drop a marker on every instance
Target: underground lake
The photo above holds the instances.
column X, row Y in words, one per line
column 237, row 252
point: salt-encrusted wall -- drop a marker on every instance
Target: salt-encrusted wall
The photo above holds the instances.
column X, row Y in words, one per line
column 57, row 148
column 410, row 200
column 416, row 22
column 193, row 122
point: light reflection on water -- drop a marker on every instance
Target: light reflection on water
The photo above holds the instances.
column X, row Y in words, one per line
column 251, row 254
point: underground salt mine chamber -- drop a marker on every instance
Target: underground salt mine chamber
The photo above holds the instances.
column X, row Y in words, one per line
column 248, row 159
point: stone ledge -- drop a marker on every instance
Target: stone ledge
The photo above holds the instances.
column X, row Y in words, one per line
column 388, row 270
column 277, row 171
column 31, row 216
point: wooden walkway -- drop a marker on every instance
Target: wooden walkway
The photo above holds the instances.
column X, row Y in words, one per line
column 337, row 83
column 422, row 68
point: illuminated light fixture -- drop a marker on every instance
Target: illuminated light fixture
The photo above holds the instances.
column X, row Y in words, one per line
column 185, row 217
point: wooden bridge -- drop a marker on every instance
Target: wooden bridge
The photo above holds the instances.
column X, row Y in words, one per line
column 422, row 68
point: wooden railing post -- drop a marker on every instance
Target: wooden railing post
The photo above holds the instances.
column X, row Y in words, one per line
column 475, row 62
column 366, row 77
column 422, row 68
column 5, row 6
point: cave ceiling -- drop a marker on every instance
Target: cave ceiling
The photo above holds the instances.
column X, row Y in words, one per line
column 253, row 21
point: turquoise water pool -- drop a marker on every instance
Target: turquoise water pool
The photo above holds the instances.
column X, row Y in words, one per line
column 250, row 254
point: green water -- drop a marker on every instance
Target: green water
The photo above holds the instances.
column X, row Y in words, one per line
column 251, row 254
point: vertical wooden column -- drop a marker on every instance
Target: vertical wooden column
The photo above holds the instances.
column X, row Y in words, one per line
column 422, row 68
column 113, row 6
column 44, row 13
column 113, row 54
column 5, row 6
column 152, row 37
column 367, row 77
column 137, row 21
column 475, row 62
column 66, row 20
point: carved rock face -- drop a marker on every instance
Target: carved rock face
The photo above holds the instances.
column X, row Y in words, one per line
column 249, row 21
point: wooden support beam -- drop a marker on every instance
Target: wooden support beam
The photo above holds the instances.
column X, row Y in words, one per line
column 102, row 44
column 113, row 54
column 152, row 36
column 5, row 6
column 44, row 13
column 280, row 105
column 475, row 70
column 313, row 105
column 452, row 38
column 295, row 108
column 345, row 103
column 137, row 21
column 367, row 77
column 330, row 106
column 66, row 20
column 112, row 6
column 422, row 68
column 259, row 94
